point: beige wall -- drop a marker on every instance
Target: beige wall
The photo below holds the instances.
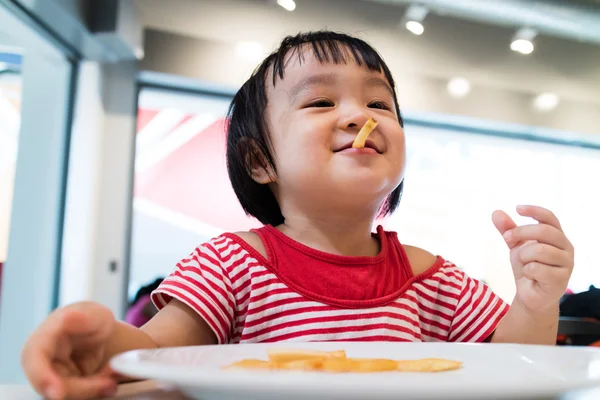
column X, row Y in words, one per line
column 418, row 91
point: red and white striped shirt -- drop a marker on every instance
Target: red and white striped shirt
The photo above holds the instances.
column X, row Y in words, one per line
column 301, row 294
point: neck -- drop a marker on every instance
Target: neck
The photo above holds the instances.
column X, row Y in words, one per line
column 331, row 233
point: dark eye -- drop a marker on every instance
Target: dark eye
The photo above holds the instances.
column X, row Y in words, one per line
column 321, row 103
column 380, row 105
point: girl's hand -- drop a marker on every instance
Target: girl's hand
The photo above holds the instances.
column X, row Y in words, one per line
column 65, row 357
column 542, row 258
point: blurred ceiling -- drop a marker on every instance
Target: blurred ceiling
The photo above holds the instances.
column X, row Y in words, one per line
column 574, row 20
column 473, row 47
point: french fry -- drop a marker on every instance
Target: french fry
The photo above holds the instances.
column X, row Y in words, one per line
column 314, row 364
column 339, row 365
column 284, row 356
column 338, row 362
column 428, row 365
column 359, row 365
column 364, row 133
column 251, row 364
column 375, row 365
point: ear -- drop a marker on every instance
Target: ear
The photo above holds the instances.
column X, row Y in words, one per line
column 263, row 174
column 257, row 164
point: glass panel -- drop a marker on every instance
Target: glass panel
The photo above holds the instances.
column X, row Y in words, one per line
column 182, row 195
column 455, row 180
column 31, row 179
column 11, row 57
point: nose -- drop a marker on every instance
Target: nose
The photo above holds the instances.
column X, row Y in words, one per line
column 353, row 117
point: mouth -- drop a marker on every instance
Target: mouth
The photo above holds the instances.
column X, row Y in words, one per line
column 369, row 144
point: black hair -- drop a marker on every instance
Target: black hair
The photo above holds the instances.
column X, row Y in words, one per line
column 248, row 142
column 146, row 290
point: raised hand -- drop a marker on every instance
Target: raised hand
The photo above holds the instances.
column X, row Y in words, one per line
column 542, row 257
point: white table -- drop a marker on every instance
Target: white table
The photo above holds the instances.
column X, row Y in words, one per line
column 148, row 390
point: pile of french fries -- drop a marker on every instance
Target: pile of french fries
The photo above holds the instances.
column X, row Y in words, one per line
column 337, row 362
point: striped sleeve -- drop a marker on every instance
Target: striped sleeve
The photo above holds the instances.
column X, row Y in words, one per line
column 201, row 282
column 478, row 312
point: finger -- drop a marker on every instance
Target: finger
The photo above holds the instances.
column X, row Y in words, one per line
column 540, row 214
column 36, row 360
column 50, row 342
column 542, row 273
column 66, row 368
column 108, row 371
column 91, row 387
column 541, row 233
column 545, row 254
column 86, row 324
column 120, row 378
column 63, row 369
column 502, row 221
column 91, row 362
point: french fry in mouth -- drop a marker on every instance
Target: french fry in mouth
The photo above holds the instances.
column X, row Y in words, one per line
column 364, row 133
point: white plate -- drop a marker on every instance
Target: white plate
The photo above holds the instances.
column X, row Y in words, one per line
column 489, row 371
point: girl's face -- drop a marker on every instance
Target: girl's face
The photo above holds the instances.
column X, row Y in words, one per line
column 314, row 115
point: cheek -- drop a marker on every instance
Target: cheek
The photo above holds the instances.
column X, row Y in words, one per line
column 398, row 151
column 402, row 147
column 301, row 159
column 307, row 139
column 313, row 128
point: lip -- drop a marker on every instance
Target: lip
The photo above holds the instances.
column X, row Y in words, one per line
column 362, row 150
column 370, row 148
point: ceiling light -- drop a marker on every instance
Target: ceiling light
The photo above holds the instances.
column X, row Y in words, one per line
column 415, row 27
column 522, row 46
column 546, row 101
column 523, row 41
column 251, row 51
column 139, row 53
column 413, row 18
column 289, row 5
column 459, row 87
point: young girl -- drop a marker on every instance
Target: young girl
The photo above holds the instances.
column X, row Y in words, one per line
column 315, row 271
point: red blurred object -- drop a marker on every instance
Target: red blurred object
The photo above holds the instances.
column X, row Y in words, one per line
column 193, row 181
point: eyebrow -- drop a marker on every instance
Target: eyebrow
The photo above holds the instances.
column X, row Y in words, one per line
column 312, row 80
column 378, row 82
column 331, row 79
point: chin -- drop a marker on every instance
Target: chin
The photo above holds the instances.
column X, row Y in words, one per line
column 369, row 180
column 366, row 189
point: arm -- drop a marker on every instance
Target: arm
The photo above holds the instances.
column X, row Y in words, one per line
column 192, row 311
column 522, row 326
column 175, row 325
column 67, row 355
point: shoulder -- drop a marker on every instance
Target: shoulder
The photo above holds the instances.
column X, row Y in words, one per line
column 218, row 249
column 253, row 240
column 420, row 260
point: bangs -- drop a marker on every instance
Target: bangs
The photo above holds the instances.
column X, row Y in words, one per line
column 327, row 47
